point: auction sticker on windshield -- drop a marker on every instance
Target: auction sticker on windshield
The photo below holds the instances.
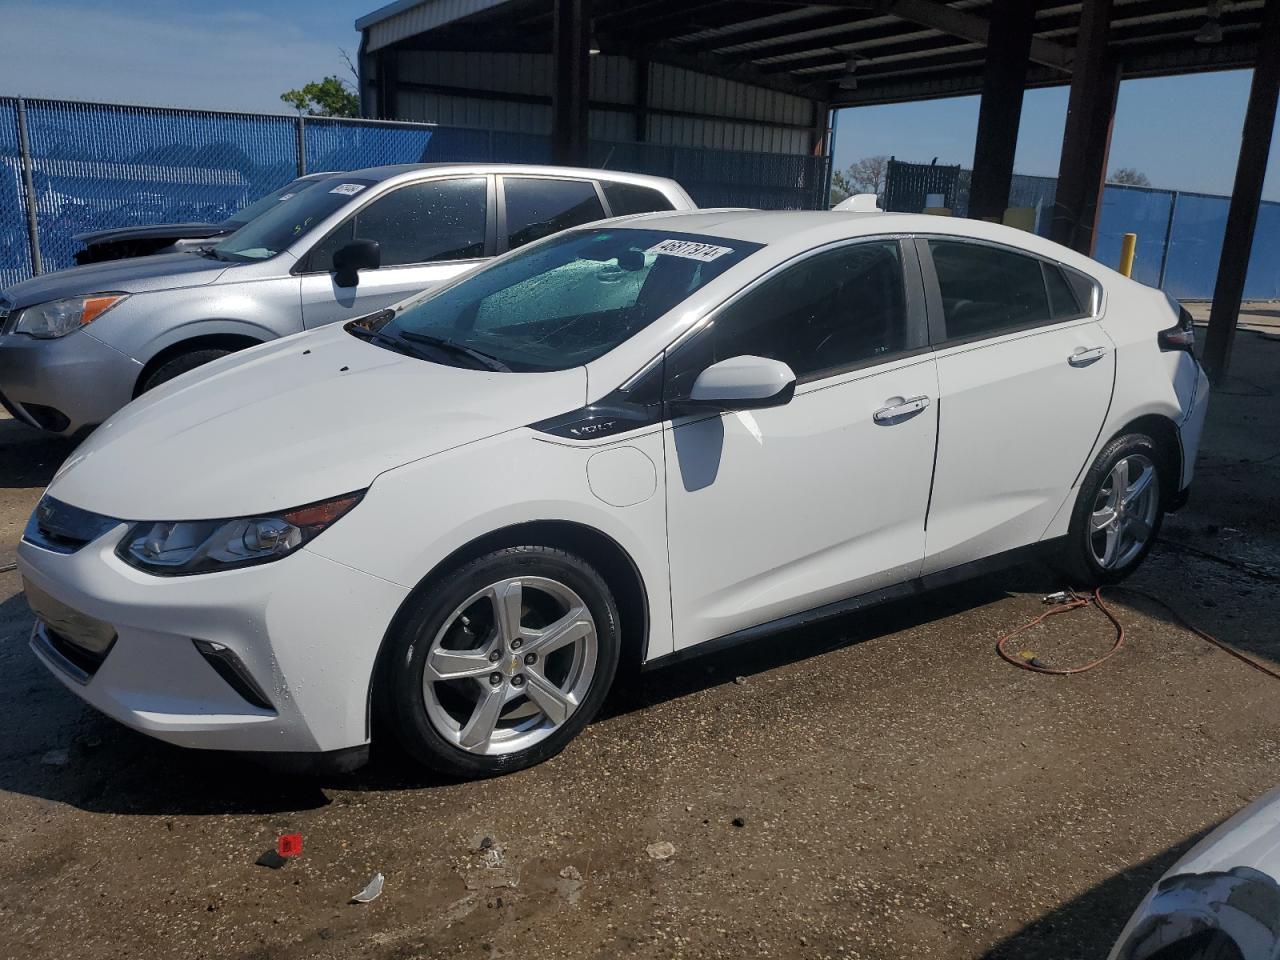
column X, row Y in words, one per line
column 348, row 189
column 689, row 249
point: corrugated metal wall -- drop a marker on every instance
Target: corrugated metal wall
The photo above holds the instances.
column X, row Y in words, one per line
column 725, row 106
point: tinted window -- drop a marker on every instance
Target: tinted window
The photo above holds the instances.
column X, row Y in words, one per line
column 987, row 290
column 834, row 309
column 1062, row 299
column 625, row 198
column 420, row 223
column 539, row 208
column 568, row 301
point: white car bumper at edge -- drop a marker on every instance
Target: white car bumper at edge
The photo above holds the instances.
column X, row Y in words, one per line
column 305, row 628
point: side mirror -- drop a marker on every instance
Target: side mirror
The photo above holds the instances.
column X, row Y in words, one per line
column 744, row 383
column 355, row 256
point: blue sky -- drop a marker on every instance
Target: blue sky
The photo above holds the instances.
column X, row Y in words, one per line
column 1183, row 132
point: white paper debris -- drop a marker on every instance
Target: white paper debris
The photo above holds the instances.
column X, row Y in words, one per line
column 662, row 850
column 372, row 892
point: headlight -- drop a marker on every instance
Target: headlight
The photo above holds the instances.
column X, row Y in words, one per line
column 179, row 548
column 57, row 318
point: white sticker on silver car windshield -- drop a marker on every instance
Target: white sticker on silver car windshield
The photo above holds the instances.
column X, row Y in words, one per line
column 348, row 189
column 284, row 196
column 689, row 249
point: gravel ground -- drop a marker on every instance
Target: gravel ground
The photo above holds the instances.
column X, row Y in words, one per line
column 882, row 786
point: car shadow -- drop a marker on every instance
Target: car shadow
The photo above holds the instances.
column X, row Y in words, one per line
column 30, row 457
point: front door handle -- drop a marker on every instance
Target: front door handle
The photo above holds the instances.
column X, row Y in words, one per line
column 897, row 409
column 1083, row 356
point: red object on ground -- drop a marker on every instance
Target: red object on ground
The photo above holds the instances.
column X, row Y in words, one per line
column 289, row 845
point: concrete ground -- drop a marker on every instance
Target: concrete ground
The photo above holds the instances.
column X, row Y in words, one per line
column 883, row 786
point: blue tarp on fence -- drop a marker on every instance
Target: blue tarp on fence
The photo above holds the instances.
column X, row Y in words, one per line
column 94, row 166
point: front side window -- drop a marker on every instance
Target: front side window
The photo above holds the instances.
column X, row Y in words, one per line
column 286, row 223
column 564, row 302
column 537, row 207
column 831, row 311
column 430, row 222
column 988, row 290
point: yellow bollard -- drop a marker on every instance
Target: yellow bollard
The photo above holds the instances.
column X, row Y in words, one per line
column 1128, row 245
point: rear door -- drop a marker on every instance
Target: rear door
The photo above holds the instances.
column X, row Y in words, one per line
column 429, row 231
column 1025, row 374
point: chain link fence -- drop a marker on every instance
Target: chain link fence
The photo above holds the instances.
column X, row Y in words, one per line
column 1179, row 232
column 89, row 166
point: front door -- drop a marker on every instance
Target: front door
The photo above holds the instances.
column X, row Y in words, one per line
column 775, row 511
column 428, row 232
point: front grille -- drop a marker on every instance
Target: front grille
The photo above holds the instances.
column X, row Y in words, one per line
column 80, row 664
column 62, row 528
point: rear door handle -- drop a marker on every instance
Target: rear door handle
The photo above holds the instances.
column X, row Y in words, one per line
column 1083, row 356
column 898, row 409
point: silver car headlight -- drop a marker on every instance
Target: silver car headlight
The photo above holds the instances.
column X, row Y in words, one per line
column 183, row 547
column 57, row 318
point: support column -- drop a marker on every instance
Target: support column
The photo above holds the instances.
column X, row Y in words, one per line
column 570, row 96
column 1246, row 196
column 1000, row 112
column 1095, row 81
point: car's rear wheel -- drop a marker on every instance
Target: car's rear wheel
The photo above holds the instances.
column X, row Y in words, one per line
column 180, row 365
column 500, row 663
column 1118, row 512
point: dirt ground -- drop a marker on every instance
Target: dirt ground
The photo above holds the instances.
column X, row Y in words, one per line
column 883, row 786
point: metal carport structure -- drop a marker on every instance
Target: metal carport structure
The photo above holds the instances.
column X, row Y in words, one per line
column 752, row 63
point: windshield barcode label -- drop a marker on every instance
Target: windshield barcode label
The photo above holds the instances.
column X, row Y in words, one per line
column 349, row 189
column 689, row 249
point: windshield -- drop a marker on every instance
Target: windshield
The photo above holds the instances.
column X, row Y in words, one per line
column 564, row 302
column 282, row 225
column 263, row 204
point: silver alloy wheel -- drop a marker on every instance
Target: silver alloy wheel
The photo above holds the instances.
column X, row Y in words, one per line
column 1124, row 512
column 510, row 665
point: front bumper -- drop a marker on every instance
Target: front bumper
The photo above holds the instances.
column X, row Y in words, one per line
column 307, row 630
column 1192, row 427
column 65, row 384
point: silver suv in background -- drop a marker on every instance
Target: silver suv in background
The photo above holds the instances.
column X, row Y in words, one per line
column 78, row 344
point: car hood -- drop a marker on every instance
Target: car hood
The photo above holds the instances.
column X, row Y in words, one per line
column 152, row 231
column 134, row 275
column 291, row 422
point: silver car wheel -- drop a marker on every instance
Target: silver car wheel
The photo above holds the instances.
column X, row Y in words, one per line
column 510, row 665
column 1124, row 512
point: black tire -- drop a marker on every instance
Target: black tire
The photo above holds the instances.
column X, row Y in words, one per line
column 1077, row 560
column 399, row 698
column 179, row 365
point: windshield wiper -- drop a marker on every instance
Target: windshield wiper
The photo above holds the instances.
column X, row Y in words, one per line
column 487, row 361
column 385, row 339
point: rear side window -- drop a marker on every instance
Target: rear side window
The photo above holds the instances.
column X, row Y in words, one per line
column 537, row 208
column 429, row 222
column 986, row 290
column 831, row 311
column 1062, row 299
column 627, row 198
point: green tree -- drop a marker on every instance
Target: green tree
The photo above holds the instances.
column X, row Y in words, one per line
column 330, row 97
column 865, row 176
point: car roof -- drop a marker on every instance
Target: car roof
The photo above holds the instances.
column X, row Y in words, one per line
column 392, row 171
column 809, row 228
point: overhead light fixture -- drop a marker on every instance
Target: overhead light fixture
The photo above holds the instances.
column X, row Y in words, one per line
column 850, row 79
column 1211, row 30
column 593, row 46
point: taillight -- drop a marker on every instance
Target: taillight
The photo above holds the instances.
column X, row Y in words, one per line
column 1179, row 337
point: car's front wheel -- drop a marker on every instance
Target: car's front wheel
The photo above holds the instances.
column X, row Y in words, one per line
column 1118, row 512
column 499, row 664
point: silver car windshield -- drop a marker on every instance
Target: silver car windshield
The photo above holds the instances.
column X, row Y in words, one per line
column 286, row 223
column 563, row 302
column 260, row 206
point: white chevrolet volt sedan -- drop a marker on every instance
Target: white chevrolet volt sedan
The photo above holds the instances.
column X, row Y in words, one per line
column 629, row 442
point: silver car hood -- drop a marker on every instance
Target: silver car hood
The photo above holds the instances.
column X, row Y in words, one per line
column 291, row 422
column 135, row 275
